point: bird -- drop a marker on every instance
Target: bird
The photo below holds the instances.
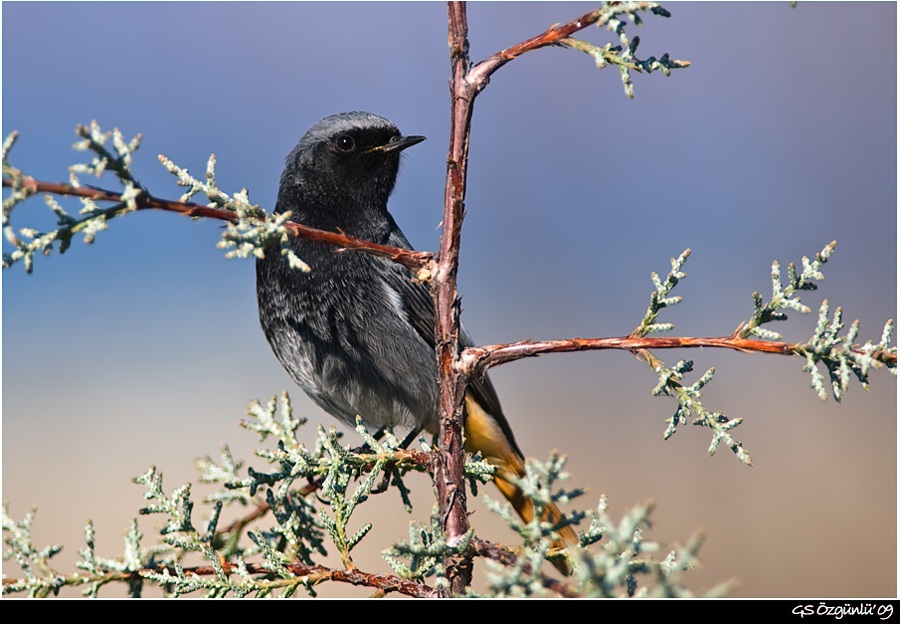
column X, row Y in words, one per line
column 356, row 332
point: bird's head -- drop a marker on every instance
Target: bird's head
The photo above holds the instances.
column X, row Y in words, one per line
column 343, row 169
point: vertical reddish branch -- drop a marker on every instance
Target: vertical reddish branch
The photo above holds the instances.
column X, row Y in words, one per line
column 465, row 84
column 449, row 475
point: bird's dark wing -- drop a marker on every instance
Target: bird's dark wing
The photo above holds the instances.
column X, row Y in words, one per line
column 420, row 311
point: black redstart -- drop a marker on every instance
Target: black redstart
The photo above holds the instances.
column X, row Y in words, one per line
column 357, row 332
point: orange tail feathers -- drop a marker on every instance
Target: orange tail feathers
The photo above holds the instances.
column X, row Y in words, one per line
column 484, row 435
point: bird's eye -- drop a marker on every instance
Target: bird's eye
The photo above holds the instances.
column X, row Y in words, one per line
column 345, row 143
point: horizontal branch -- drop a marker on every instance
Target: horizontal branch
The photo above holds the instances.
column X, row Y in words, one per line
column 312, row 575
column 406, row 257
column 475, row 360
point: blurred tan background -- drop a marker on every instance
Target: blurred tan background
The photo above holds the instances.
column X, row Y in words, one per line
column 144, row 349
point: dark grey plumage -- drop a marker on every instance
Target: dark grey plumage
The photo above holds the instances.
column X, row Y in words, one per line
column 356, row 333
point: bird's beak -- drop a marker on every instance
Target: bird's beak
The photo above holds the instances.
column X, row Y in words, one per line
column 397, row 144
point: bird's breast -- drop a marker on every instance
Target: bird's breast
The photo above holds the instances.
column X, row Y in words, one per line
column 343, row 334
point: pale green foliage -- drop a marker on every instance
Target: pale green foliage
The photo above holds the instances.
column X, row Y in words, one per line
column 624, row 555
column 622, row 56
column 660, row 298
column 524, row 577
column 785, row 297
column 92, row 218
column 248, row 236
column 425, row 551
column 39, row 578
column 688, row 397
column 255, row 229
column 840, row 354
column 94, row 140
column 247, row 557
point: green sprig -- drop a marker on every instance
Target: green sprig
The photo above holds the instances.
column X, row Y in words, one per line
column 785, row 296
column 623, row 56
column 28, row 241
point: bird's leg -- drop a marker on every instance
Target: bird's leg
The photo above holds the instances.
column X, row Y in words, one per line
column 409, row 438
column 389, row 470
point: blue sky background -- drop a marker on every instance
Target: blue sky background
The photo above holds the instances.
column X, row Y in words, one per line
column 780, row 138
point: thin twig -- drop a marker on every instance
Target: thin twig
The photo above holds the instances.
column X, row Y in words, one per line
column 474, row 360
column 477, row 359
column 480, row 74
column 406, row 257
column 312, row 575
